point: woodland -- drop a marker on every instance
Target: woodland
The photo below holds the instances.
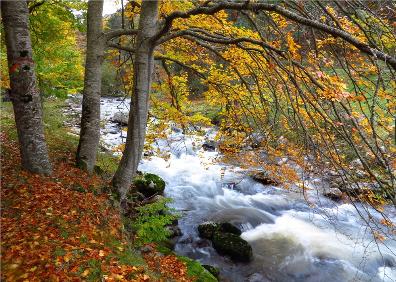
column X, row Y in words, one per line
column 198, row 140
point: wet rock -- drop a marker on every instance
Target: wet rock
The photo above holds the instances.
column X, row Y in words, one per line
column 209, row 145
column 149, row 184
column 114, row 131
column 202, row 243
column 207, row 229
column 213, row 270
column 120, row 118
column 233, row 246
column 333, row 194
column 170, row 243
column 174, row 231
column 263, row 178
column 227, row 227
column 187, row 240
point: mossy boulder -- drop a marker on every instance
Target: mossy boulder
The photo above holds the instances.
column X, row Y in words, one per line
column 207, row 229
column 227, row 227
column 233, row 246
column 149, row 184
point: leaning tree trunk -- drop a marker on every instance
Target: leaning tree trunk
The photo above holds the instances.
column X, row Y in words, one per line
column 90, row 119
column 25, row 96
column 143, row 68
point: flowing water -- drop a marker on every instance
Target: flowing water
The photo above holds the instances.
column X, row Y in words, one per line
column 294, row 238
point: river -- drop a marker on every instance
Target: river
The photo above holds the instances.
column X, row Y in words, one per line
column 293, row 238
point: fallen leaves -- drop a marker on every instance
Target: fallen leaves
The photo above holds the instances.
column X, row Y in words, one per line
column 54, row 232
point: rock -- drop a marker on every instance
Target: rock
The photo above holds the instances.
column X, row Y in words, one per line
column 169, row 244
column 114, row 131
column 174, row 231
column 227, row 227
column 187, row 240
column 263, row 178
column 214, row 270
column 333, row 194
column 207, row 229
column 201, row 243
column 135, row 196
column 149, row 184
column 232, row 245
column 209, row 145
column 121, row 118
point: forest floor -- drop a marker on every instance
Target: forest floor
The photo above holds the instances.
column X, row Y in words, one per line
column 63, row 227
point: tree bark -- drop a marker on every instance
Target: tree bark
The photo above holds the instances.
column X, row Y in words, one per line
column 143, row 68
column 24, row 92
column 90, row 118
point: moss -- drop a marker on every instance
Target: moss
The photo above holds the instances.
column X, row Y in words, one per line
column 196, row 270
column 207, row 229
column 214, row 270
column 233, row 246
column 149, row 184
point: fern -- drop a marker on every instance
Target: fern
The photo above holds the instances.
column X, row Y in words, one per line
column 151, row 221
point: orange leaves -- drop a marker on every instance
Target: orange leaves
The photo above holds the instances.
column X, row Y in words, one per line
column 57, row 229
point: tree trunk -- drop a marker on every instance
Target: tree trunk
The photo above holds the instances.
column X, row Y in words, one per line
column 143, row 68
column 90, row 118
column 24, row 92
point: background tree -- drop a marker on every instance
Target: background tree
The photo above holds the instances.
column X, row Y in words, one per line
column 90, row 118
column 24, row 93
column 57, row 32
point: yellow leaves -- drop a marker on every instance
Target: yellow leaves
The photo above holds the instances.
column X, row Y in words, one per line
column 335, row 88
column 293, row 46
column 85, row 273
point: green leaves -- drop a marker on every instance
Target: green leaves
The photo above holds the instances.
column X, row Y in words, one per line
column 151, row 222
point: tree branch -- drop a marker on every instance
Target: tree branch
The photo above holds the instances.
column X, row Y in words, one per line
column 118, row 32
column 120, row 47
column 207, row 9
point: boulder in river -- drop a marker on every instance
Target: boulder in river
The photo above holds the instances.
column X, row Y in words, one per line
column 232, row 245
column 227, row 227
column 263, row 178
column 333, row 194
column 226, row 240
column 149, row 184
column 209, row 145
column 207, row 229
column 121, row 118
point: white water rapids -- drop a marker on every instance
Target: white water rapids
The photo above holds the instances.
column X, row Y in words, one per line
column 291, row 240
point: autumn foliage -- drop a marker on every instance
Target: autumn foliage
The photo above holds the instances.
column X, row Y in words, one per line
column 61, row 228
